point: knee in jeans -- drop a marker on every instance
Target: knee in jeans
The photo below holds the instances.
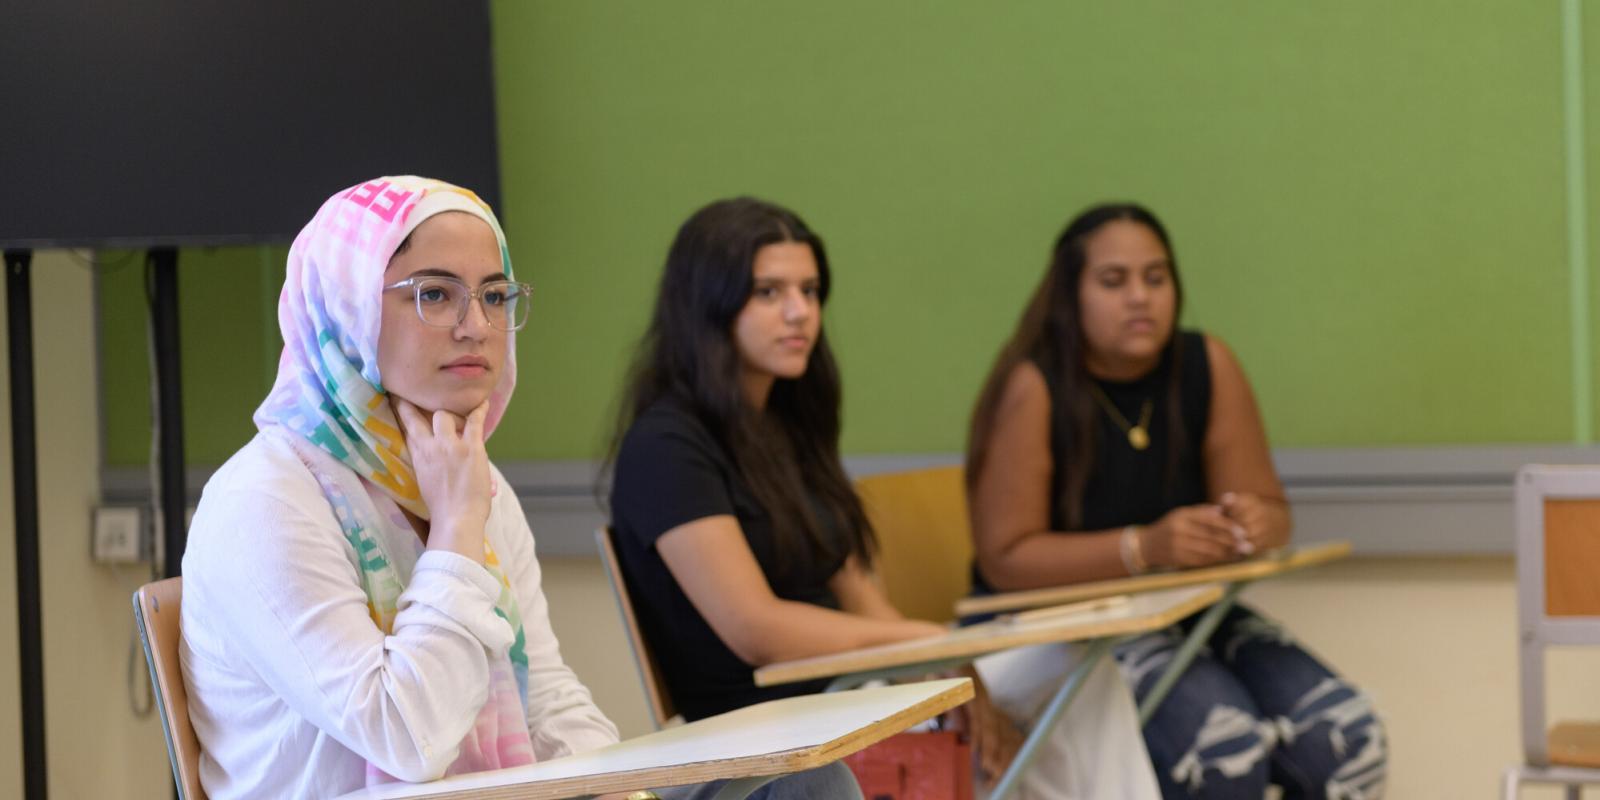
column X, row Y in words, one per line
column 1253, row 629
column 1336, row 741
column 1146, row 657
column 832, row 782
column 1229, row 755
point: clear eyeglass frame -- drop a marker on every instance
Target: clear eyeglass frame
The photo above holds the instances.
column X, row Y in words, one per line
column 516, row 295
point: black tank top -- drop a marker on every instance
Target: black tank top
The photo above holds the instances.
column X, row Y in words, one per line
column 1128, row 486
column 1136, row 487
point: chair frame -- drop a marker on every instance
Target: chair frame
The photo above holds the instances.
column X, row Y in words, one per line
column 156, row 613
column 1536, row 629
column 662, row 709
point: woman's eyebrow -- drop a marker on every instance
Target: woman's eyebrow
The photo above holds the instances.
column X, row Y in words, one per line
column 435, row 272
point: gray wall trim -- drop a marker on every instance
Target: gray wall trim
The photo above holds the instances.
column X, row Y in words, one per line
column 1388, row 501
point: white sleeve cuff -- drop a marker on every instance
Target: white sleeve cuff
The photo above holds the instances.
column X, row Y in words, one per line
column 462, row 590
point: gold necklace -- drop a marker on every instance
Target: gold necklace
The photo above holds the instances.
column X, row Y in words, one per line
column 1138, row 435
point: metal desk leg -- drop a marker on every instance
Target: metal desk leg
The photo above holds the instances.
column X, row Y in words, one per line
column 740, row 788
column 1187, row 651
column 1045, row 725
column 857, row 679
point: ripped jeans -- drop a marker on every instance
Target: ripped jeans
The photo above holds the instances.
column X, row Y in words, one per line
column 1255, row 708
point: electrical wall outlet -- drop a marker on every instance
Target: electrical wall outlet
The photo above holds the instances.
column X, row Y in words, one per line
column 118, row 535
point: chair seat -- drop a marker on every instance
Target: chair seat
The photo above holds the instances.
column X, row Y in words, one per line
column 1575, row 744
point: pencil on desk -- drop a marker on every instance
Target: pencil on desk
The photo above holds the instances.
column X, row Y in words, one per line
column 1097, row 604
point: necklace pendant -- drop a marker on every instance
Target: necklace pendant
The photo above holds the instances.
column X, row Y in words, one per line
column 1138, row 438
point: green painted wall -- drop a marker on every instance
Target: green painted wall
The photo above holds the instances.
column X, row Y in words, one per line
column 1366, row 199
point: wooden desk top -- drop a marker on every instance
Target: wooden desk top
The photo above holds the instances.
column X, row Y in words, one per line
column 1282, row 561
column 1145, row 612
column 772, row 738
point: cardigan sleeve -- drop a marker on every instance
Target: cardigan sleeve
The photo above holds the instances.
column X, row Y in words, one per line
column 276, row 568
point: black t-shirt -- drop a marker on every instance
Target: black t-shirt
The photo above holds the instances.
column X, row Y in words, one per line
column 670, row 470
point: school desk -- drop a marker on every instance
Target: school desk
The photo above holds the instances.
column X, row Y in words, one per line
column 1236, row 575
column 1101, row 623
column 748, row 747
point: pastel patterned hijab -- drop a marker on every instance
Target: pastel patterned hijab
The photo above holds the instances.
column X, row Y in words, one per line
column 328, row 388
column 329, row 392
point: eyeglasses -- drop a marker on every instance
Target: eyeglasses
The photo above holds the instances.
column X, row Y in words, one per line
column 442, row 302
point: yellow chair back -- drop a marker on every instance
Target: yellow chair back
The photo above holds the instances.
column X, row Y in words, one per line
column 925, row 555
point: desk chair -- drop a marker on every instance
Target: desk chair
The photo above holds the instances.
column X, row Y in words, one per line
column 662, row 711
column 867, row 764
column 924, row 532
column 1558, row 603
column 155, row 613
column 925, row 547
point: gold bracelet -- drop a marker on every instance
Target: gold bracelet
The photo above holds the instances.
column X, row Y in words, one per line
column 645, row 794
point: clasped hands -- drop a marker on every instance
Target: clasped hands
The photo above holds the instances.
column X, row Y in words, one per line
column 1240, row 525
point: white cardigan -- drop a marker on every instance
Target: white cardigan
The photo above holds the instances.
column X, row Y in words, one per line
column 293, row 688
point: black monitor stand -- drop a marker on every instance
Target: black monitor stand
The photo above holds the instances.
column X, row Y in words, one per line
column 25, row 496
column 24, row 471
column 169, row 392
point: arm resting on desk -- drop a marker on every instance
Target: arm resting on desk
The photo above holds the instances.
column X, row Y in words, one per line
column 712, row 562
column 772, row 738
column 1238, row 462
column 1011, row 499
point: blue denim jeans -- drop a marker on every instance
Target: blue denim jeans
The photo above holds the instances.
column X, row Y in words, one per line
column 832, row 782
column 1255, row 708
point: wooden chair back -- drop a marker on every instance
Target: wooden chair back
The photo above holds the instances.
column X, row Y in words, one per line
column 1558, row 598
column 924, row 538
column 655, row 686
column 155, row 612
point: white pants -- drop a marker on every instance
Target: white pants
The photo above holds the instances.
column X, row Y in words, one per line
column 1097, row 749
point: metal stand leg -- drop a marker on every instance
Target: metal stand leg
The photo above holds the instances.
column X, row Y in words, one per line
column 1045, row 725
column 1512, row 783
column 857, row 679
column 1187, row 651
column 169, row 407
column 25, row 493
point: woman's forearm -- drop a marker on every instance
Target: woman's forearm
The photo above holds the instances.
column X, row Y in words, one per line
column 1047, row 558
column 787, row 629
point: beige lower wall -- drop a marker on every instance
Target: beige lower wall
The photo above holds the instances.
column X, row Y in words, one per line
column 1432, row 640
column 10, row 709
column 95, row 744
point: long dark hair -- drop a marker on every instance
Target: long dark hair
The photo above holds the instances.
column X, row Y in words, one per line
column 788, row 453
column 1050, row 334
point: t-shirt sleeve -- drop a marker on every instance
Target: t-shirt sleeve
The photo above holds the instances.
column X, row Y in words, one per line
column 669, row 471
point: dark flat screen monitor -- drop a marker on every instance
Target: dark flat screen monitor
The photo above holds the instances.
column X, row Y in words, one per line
column 181, row 122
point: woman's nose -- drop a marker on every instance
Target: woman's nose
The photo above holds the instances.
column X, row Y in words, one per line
column 796, row 306
column 475, row 324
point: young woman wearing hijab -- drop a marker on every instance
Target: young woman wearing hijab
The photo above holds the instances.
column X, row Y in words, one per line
column 1106, row 442
column 361, row 598
column 740, row 537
